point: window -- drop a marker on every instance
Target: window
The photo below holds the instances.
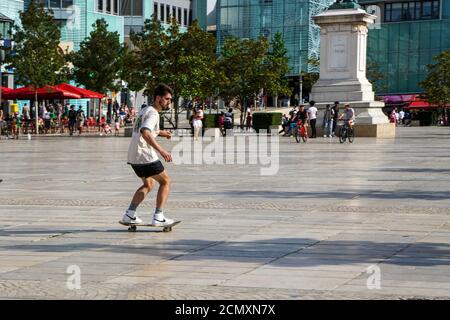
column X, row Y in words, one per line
column 67, row 3
column 55, row 3
column 100, row 5
column 179, row 15
column 396, row 12
column 174, row 12
column 185, row 17
column 190, row 17
column 155, row 10
column 116, row 6
column 436, row 8
column 427, row 9
column 161, row 12
column 412, row 10
column 108, row 6
column 138, row 8
column 167, row 13
column 125, row 9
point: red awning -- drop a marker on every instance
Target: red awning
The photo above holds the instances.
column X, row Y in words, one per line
column 5, row 89
column 421, row 104
column 47, row 92
column 84, row 93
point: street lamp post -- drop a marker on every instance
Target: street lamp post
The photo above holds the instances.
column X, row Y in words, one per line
column 300, row 91
column 5, row 43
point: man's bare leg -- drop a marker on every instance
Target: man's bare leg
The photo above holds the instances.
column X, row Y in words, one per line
column 164, row 188
column 142, row 192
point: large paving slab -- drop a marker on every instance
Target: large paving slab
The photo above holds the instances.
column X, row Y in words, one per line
column 368, row 220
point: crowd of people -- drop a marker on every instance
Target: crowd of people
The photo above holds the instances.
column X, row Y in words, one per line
column 56, row 118
column 308, row 118
column 401, row 117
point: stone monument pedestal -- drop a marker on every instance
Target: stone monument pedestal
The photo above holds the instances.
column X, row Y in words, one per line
column 343, row 51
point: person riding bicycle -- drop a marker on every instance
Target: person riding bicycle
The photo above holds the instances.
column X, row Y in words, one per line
column 302, row 115
column 348, row 115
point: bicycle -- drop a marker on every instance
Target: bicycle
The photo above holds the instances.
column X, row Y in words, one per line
column 300, row 132
column 347, row 132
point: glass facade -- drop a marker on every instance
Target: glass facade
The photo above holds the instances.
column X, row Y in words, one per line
column 407, row 40
column 411, row 10
column 292, row 18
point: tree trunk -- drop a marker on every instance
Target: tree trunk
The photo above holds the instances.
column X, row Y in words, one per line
column 135, row 100
column 36, row 114
column 99, row 113
column 175, row 103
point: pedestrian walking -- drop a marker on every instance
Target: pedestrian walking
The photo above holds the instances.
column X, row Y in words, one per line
column 80, row 120
column 335, row 108
column 144, row 160
column 72, row 119
column 197, row 122
column 328, row 121
column 312, row 115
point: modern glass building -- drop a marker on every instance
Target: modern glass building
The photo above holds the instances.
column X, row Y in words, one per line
column 407, row 36
column 292, row 18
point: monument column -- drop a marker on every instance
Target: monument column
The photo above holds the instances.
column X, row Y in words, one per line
column 343, row 54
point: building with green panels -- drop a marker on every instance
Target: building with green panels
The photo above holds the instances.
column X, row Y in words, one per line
column 292, row 18
column 406, row 37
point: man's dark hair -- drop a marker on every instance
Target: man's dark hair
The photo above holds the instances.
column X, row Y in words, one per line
column 336, row 102
column 162, row 89
column 312, row 103
column 230, row 110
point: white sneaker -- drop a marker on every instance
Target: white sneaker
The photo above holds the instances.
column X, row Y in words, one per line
column 160, row 221
column 131, row 217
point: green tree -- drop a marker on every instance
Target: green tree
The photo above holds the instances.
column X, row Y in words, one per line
column 184, row 61
column 310, row 77
column 149, row 47
column 37, row 59
column 376, row 77
column 436, row 85
column 243, row 63
column 198, row 62
column 132, row 71
column 277, row 67
column 98, row 63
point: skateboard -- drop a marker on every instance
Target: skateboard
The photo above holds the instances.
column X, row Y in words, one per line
column 133, row 227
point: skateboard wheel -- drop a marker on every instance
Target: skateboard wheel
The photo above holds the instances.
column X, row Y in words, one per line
column 132, row 229
column 167, row 229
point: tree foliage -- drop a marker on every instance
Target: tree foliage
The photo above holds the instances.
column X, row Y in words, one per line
column 37, row 58
column 98, row 63
column 376, row 77
column 437, row 83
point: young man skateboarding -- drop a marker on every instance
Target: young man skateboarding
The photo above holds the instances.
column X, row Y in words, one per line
column 143, row 158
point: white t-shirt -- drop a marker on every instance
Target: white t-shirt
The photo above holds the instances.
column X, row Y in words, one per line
column 312, row 113
column 139, row 151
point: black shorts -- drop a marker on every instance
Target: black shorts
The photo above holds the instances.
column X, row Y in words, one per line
column 148, row 170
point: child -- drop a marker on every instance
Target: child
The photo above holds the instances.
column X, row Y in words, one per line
column 107, row 129
column 117, row 126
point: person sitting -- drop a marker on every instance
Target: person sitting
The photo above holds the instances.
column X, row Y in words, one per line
column 220, row 122
column 229, row 120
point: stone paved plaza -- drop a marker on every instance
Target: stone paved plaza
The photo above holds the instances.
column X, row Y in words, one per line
column 322, row 228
